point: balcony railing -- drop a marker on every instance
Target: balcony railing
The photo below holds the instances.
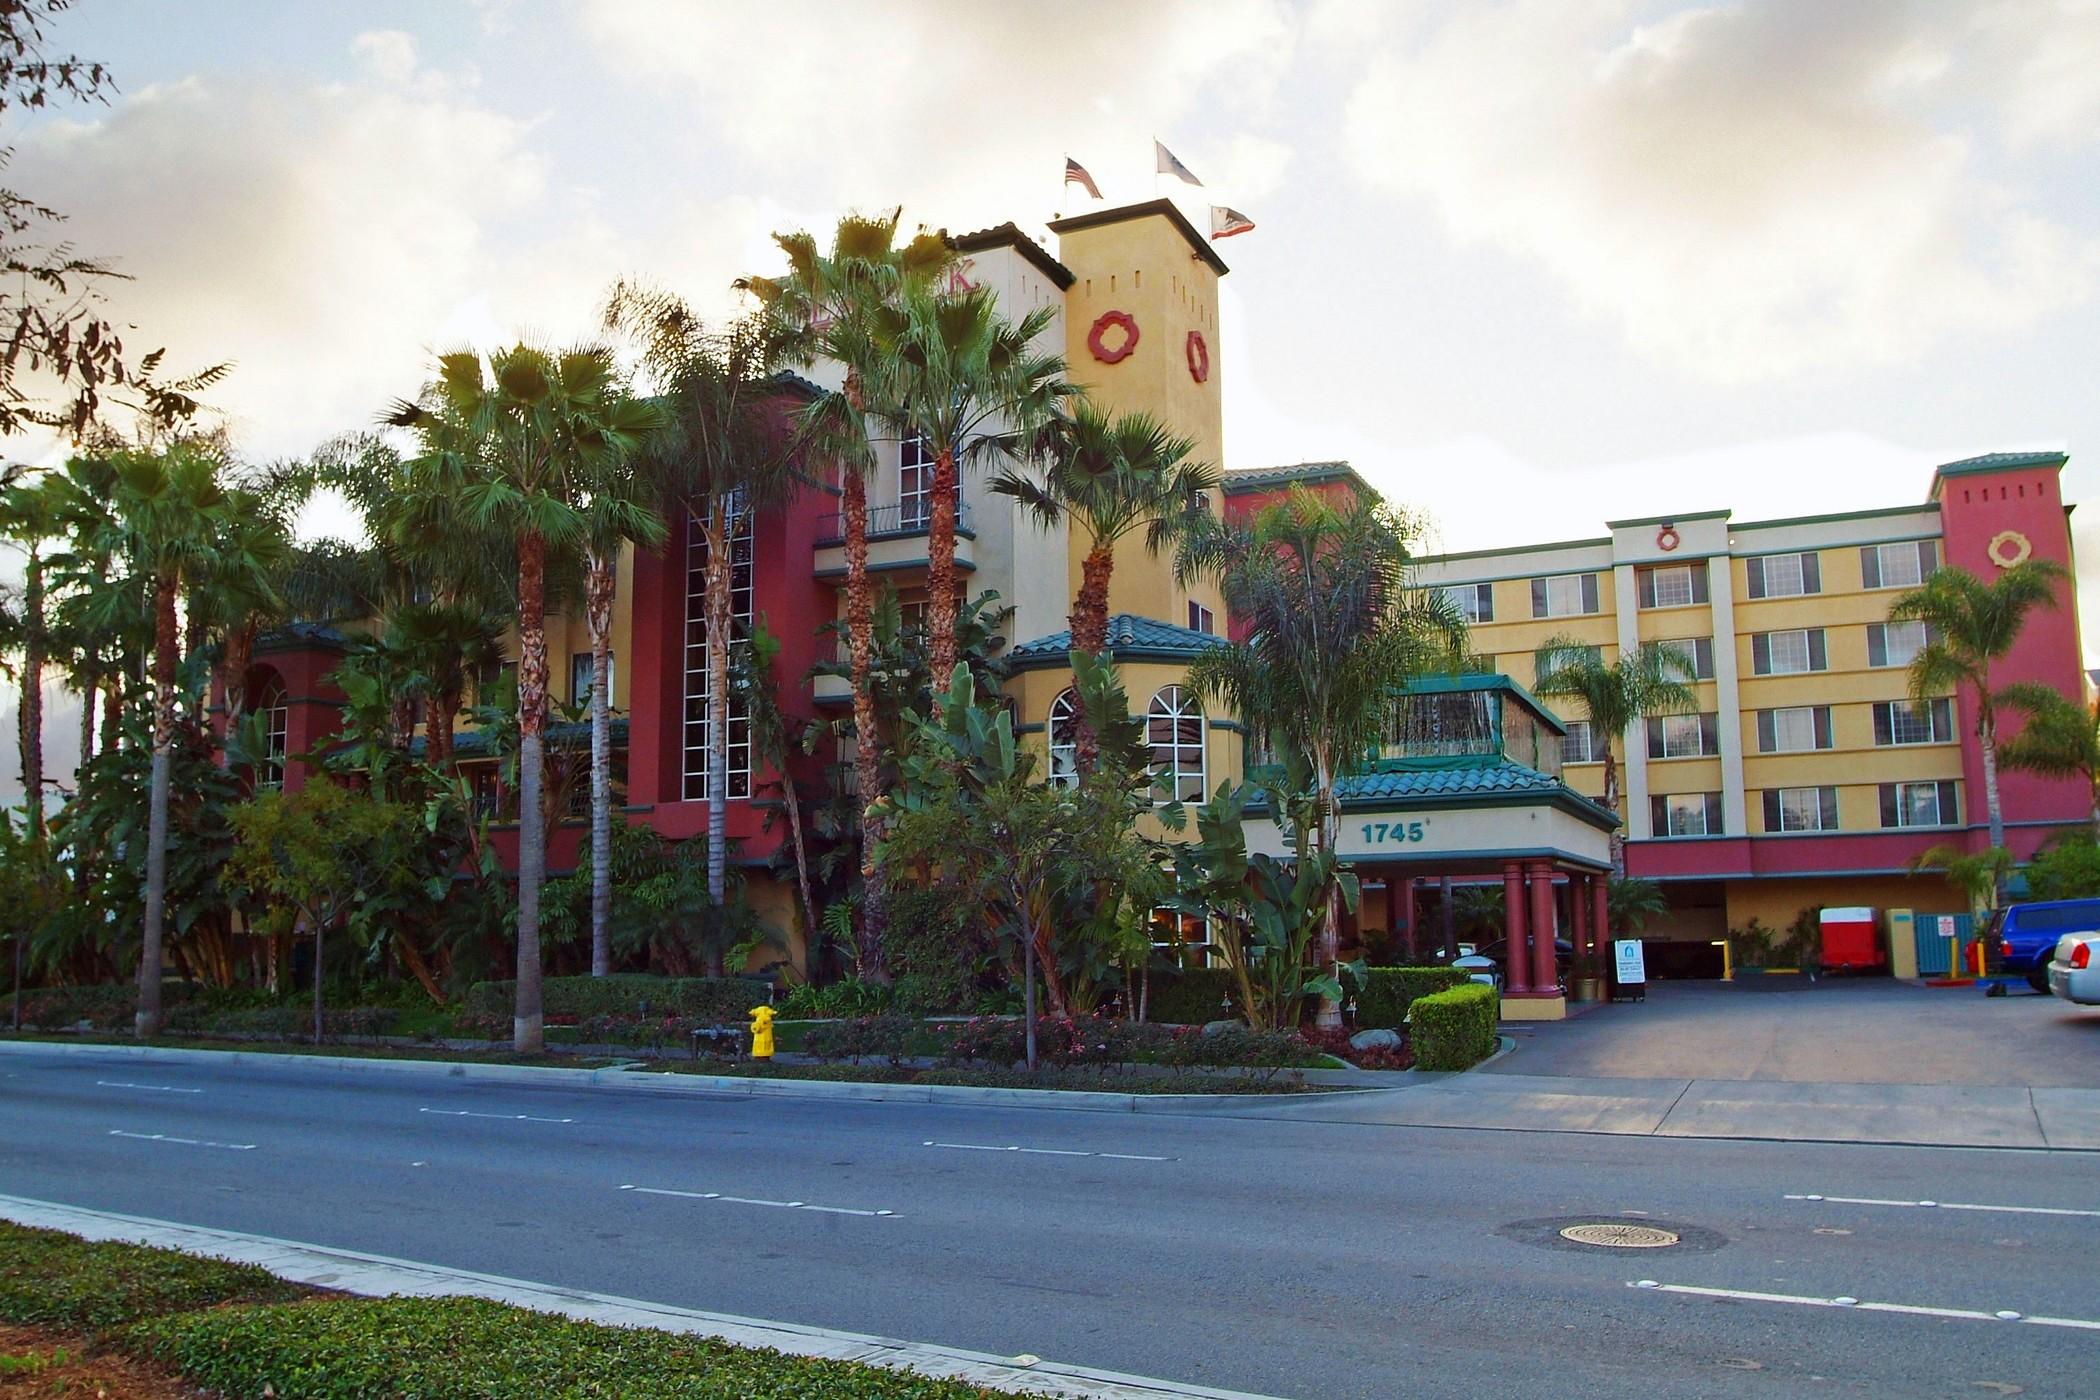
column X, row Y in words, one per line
column 912, row 516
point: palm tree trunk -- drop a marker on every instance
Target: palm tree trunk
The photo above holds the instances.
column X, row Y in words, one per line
column 1987, row 732
column 598, row 610
column 87, row 722
column 871, row 964
column 716, row 590
column 147, row 1020
column 1329, row 950
column 528, row 1025
column 320, row 947
column 940, row 572
column 793, row 800
column 1090, row 634
column 1611, row 800
column 33, row 692
column 113, row 715
column 233, row 681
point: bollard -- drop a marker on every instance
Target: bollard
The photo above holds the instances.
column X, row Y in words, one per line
column 761, row 1032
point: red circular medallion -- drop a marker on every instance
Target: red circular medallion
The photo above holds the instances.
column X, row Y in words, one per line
column 1199, row 357
column 1666, row 539
column 1097, row 338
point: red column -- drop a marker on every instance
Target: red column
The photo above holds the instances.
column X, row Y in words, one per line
column 1545, row 976
column 1579, row 915
column 1517, row 979
column 1600, row 916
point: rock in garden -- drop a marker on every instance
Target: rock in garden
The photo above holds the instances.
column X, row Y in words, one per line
column 1219, row 1027
column 1375, row 1040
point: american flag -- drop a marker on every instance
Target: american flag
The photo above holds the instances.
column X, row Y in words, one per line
column 1075, row 174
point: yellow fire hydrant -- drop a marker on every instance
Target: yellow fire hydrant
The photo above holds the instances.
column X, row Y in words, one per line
column 761, row 1032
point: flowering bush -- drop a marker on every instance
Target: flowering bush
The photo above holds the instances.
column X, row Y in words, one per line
column 865, row 1037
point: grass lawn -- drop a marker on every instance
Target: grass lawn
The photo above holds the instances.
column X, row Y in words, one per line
column 154, row 1324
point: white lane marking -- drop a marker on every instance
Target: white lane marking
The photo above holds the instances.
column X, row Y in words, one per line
column 505, row 1117
column 753, row 1201
column 155, row 1088
column 186, row 1142
column 1045, row 1151
column 1945, row 1205
column 1855, row 1305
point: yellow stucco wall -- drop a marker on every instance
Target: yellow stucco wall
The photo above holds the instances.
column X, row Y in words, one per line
column 1144, row 266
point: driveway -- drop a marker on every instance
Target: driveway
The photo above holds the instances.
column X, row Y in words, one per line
column 1836, row 1030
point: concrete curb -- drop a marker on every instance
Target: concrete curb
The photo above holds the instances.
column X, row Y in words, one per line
column 670, row 1082
column 378, row 1276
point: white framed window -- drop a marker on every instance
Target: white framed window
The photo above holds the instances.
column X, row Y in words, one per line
column 1795, row 729
column 1564, row 595
column 697, row 729
column 1898, row 723
column 580, row 667
column 1919, row 804
column 1200, row 619
column 1902, row 565
column 1671, row 585
column 1580, row 744
column 1062, row 733
column 1685, row 814
column 1697, row 653
column 1784, row 575
column 275, row 708
column 1801, row 809
column 1788, row 653
column 1475, row 601
column 914, row 482
column 1174, row 729
column 1683, row 736
column 1180, row 939
column 1895, row 643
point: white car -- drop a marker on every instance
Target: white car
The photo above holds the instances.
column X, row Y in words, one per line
column 2074, row 973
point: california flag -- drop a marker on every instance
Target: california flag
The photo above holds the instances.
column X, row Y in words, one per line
column 1075, row 174
column 1167, row 163
column 1224, row 223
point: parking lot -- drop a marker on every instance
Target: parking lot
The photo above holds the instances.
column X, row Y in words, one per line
column 1834, row 1030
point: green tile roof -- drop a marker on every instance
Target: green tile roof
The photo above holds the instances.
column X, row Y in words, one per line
column 1444, row 782
column 2002, row 461
column 1129, row 637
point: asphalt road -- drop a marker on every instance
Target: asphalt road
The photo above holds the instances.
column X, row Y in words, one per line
column 1296, row 1259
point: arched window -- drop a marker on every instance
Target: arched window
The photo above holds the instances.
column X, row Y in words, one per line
column 276, row 711
column 1174, row 729
column 1064, row 751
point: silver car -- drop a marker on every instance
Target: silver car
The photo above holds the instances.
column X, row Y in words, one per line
column 2074, row 973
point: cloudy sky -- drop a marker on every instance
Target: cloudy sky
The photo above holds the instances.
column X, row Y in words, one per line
column 1531, row 264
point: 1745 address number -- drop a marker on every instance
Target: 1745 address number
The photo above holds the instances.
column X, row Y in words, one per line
column 1392, row 833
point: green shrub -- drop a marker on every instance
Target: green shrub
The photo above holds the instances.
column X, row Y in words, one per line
column 60, row 1280
column 281, row 1020
column 864, row 1037
column 936, row 946
column 1191, row 996
column 374, row 1349
column 1454, row 1029
column 719, row 1000
column 1386, row 993
column 109, row 1005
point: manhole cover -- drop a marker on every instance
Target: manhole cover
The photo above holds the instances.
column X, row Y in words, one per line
column 1620, row 1235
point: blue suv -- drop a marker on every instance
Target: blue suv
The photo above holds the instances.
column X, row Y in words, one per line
column 2027, row 934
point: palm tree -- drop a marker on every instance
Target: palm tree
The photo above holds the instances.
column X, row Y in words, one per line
column 721, row 457
column 1112, row 475
column 1652, row 679
column 164, row 522
column 825, row 303
column 1336, row 633
column 2061, row 738
column 31, row 518
column 1971, row 625
column 238, row 589
column 973, row 388
column 516, row 446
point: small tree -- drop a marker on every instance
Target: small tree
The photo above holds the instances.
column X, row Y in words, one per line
column 2061, row 738
column 1652, row 679
column 330, row 855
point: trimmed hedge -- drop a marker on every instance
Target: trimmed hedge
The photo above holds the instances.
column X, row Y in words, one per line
column 1190, row 997
column 715, row 1000
column 1454, row 1029
column 108, row 1005
column 282, row 1020
column 59, row 1280
column 1387, row 992
column 378, row 1348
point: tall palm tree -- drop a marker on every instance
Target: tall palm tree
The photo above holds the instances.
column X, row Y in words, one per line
column 1112, row 475
column 515, row 445
column 2060, row 739
column 974, row 389
column 824, row 303
column 719, row 458
column 239, row 589
column 1972, row 626
column 1652, row 679
column 32, row 519
column 164, row 522
column 1336, row 632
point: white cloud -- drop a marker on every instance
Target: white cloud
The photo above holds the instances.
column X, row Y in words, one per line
column 387, row 54
column 1751, row 191
column 965, row 110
